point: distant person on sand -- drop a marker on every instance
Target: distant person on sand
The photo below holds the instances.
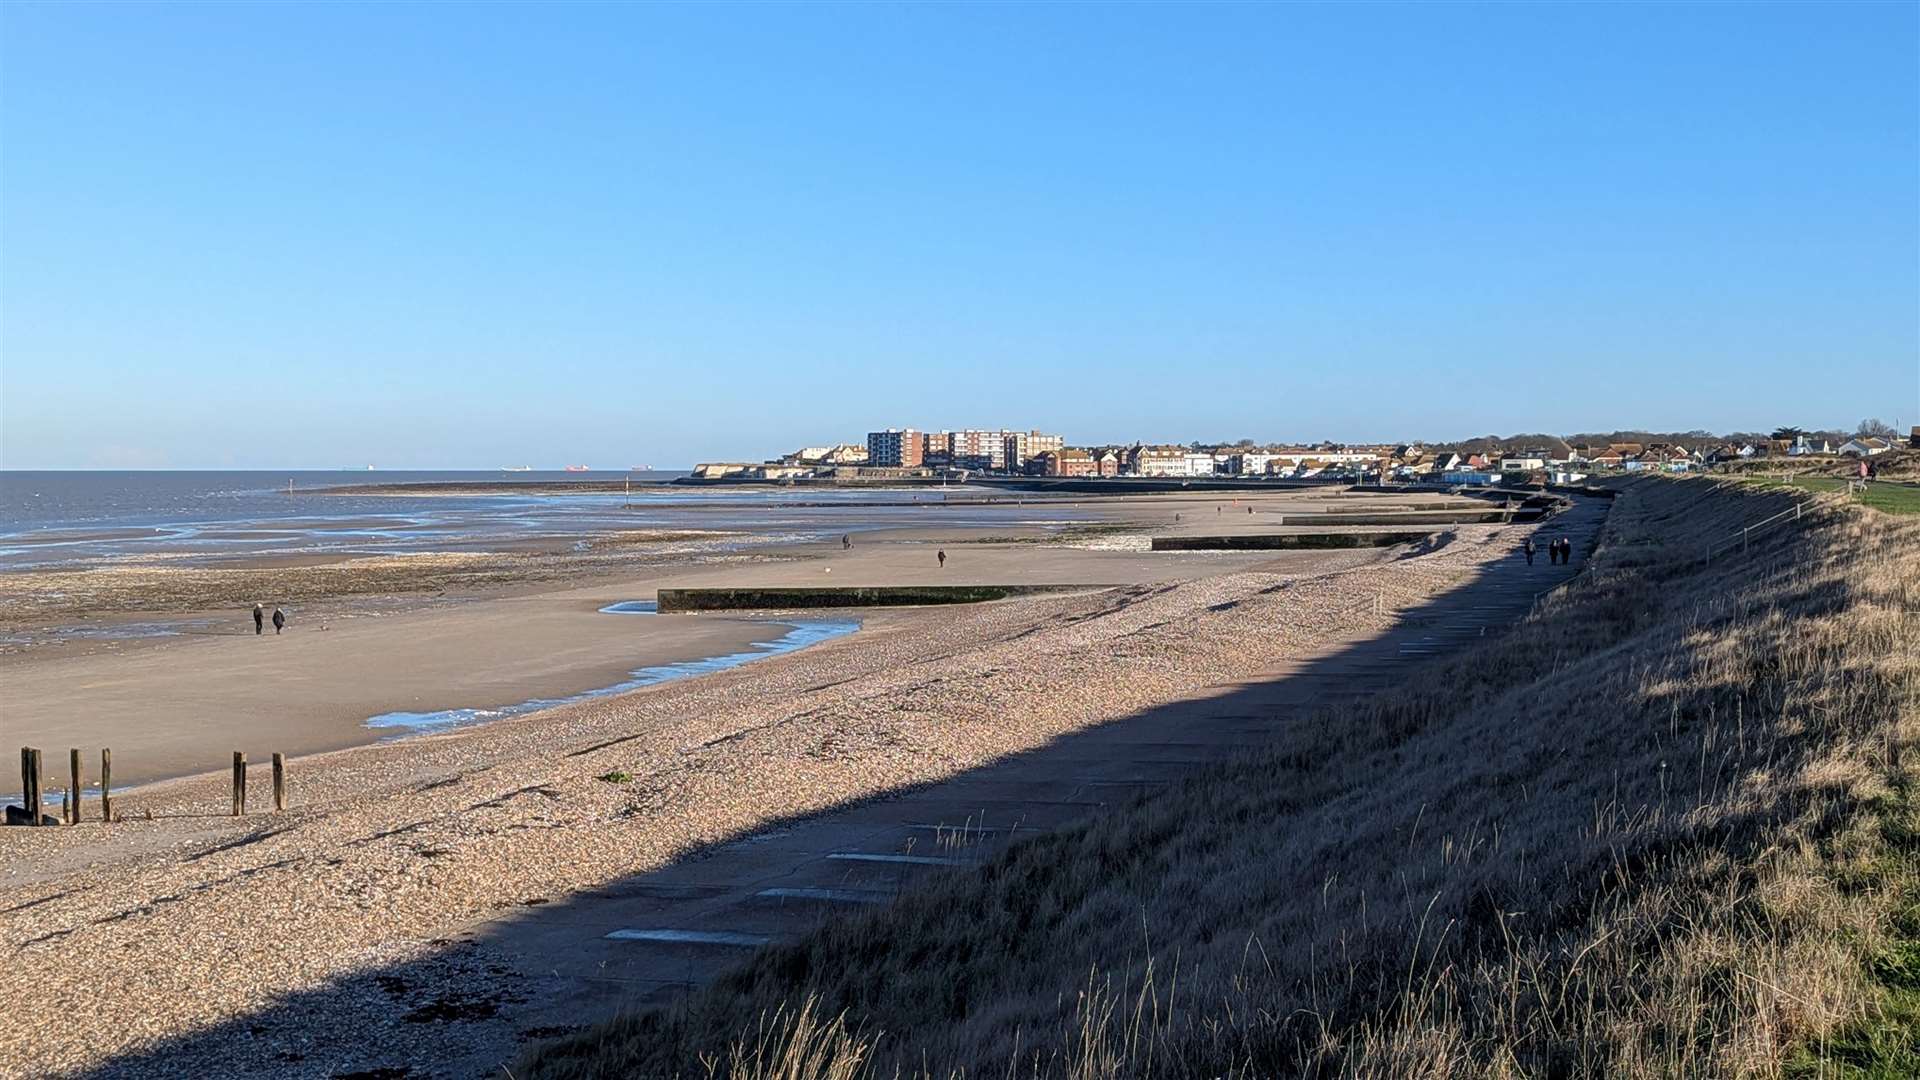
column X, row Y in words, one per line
column 1529, row 550
column 259, row 619
column 279, row 620
column 846, row 542
column 942, row 556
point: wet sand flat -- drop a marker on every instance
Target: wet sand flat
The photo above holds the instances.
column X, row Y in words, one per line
column 183, row 706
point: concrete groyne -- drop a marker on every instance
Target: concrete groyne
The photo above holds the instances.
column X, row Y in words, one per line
column 848, row 596
column 1420, row 517
column 1286, row 541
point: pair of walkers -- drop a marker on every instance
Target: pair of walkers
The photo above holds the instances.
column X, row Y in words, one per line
column 1559, row 551
column 260, row 619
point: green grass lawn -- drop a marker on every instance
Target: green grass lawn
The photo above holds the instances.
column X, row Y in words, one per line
column 1880, row 494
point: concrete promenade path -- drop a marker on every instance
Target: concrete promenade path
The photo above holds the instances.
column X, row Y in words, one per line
column 651, row 938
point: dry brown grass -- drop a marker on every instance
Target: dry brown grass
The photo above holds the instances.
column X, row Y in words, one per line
column 1663, row 828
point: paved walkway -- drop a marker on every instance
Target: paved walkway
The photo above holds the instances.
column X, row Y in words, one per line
column 649, row 939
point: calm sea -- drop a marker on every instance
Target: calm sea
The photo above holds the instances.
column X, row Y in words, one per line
column 82, row 518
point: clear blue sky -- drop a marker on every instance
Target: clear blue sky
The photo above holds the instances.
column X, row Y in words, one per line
column 445, row 236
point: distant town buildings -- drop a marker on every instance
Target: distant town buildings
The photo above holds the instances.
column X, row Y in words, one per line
column 908, row 453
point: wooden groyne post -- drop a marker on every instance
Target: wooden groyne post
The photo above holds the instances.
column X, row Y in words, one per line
column 30, row 783
column 279, row 782
column 239, row 784
column 106, row 786
column 73, row 786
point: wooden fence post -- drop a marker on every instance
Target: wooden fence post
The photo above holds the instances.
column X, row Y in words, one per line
column 30, row 783
column 279, row 782
column 106, row 786
column 73, row 785
column 239, row 783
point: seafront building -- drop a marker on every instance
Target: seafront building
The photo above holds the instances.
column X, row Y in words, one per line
column 895, row 448
column 981, row 449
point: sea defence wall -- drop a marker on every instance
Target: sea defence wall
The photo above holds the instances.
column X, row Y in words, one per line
column 1420, row 517
column 849, row 596
column 1286, row 541
column 1136, row 485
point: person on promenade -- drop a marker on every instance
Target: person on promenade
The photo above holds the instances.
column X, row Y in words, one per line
column 279, row 620
column 1566, row 551
column 942, row 556
column 1529, row 550
column 259, row 620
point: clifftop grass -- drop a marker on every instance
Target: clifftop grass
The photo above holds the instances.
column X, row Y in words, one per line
column 1665, row 827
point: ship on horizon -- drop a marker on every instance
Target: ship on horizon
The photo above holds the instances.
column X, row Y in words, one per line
column 516, row 468
column 578, row 468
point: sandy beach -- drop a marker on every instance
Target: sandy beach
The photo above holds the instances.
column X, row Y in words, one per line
column 393, row 847
column 512, row 629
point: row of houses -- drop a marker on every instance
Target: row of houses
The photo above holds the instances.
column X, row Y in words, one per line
column 1147, row 460
column 906, row 452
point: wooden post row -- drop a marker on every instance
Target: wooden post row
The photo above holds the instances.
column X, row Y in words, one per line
column 106, row 786
column 239, row 783
column 73, row 786
column 279, row 782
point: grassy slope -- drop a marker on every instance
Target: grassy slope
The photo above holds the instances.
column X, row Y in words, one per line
column 1899, row 464
column 1882, row 496
column 1665, row 827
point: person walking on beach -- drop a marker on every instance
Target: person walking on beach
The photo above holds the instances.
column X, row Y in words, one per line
column 279, row 620
column 259, row 620
column 846, row 542
column 942, row 556
column 1529, row 550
